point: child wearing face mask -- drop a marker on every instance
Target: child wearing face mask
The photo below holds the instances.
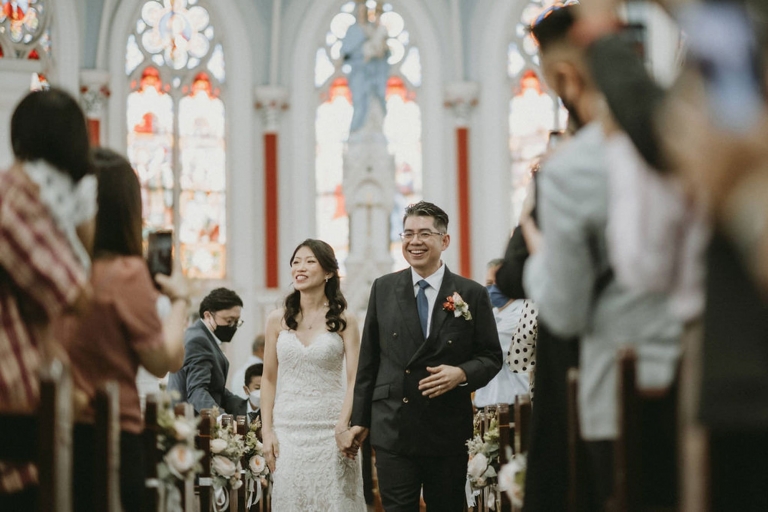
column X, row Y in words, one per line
column 252, row 388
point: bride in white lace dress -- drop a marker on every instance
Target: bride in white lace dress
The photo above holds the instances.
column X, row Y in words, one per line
column 305, row 403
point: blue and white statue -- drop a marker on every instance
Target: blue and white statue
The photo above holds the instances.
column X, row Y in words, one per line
column 365, row 49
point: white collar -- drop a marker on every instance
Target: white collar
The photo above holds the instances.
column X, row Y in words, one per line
column 218, row 341
column 69, row 203
column 435, row 280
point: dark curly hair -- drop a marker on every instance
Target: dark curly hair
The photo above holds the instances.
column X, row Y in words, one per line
column 218, row 300
column 336, row 301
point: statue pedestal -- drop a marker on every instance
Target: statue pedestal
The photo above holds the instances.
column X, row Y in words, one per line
column 369, row 189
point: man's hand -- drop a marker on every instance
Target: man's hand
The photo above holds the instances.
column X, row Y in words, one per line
column 347, row 443
column 443, row 379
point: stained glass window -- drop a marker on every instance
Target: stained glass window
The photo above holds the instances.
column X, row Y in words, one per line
column 402, row 126
column 25, row 30
column 534, row 110
column 176, row 143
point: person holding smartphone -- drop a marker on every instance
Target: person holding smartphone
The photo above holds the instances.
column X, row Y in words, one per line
column 122, row 328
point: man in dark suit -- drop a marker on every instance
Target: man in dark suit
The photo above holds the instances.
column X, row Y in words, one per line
column 429, row 340
column 203, row 376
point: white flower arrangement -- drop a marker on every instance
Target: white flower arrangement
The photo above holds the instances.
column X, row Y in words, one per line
column 254, row 452
column 176, row 441
column 256, row 470
column 458, row 306
column 512, row 478
column 227, row 448
column 483, row 464
column 180, row 459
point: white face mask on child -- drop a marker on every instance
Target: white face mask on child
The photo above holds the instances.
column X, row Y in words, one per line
column 255, row 398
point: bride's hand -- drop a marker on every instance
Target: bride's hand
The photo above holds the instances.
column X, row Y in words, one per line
column 347, row 444
column 271, row 449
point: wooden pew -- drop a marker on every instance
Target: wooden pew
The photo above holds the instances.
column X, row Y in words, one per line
column 522, row 423
column 578, row 481
column 44, row 437
column 228, row 421
column 203, row 442
column 646, row 449
column 506, row 433
column 106, row 477
column 187, row 488
column 152, row 454
column 241, row 425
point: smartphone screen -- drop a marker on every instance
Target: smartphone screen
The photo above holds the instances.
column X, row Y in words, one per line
column 160, row 253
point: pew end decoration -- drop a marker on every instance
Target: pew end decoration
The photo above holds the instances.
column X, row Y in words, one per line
column 256, row 469
column 483, row 450
column 180, row 459
column 227, row 448
column 512, row 477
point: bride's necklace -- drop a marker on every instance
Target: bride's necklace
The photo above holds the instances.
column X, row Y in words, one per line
column 314, row 318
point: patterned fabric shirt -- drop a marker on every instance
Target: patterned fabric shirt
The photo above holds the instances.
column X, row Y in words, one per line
column 39, row 277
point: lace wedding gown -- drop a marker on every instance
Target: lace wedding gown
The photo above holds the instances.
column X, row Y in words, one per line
column 311, row 474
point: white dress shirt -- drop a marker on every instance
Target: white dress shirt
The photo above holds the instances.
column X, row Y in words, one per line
column 435, row 281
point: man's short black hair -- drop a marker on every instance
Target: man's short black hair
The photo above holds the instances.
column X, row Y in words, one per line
column 426, row 209
column 554, row 25
column 255, row 370
column 219, row 300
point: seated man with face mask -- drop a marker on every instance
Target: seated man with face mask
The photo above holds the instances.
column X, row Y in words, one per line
column 201, row 380
column 503, row 388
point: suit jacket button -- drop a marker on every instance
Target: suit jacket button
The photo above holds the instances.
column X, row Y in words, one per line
column 407, row 372
column 450, row 341
column 405, row 399
column 394, row 335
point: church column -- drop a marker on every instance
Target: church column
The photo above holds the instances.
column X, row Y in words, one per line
column 271, row 100
column 94, row 94
column 461, row 97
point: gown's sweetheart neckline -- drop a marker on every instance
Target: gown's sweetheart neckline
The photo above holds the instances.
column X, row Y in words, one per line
column 314, row 338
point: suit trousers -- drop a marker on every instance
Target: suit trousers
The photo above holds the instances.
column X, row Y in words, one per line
column 401, row 478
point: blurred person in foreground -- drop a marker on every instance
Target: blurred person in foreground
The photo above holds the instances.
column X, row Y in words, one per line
column 121, row 328
column 507, row 384
column 47, row 204
column 708, row 132
column 202, row 379
column 569, row 274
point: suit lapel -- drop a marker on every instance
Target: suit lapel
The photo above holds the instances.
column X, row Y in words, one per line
column 406, row 300
column 221, row 358
column 438, row 314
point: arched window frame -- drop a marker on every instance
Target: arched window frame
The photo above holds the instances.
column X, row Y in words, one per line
column 522, row 60
column 179, row 84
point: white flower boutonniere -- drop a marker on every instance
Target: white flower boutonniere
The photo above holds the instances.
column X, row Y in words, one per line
column 456, row 304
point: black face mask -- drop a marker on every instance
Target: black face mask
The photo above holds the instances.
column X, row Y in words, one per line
column 225, row 332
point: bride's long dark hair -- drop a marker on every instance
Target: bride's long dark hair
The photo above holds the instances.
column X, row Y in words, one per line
column 336, row 301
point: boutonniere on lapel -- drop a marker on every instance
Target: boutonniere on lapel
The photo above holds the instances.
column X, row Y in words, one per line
column 456, row 304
